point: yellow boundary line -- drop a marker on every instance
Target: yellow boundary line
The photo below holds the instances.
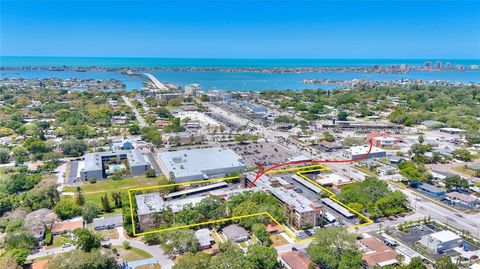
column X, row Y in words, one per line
column 300, row 171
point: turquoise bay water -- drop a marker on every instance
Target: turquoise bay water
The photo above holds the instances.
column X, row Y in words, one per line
column 228, row 80
column 112, row 62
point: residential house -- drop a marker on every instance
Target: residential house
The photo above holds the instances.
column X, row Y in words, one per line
column 377, row 254
column 67, row 226
column 235, row 233
column 205, row 240
column 296, row 260
column 108, row 222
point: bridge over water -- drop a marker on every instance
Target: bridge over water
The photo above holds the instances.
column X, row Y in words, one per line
column 156, row 82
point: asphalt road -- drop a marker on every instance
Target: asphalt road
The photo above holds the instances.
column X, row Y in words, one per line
column 141, row 120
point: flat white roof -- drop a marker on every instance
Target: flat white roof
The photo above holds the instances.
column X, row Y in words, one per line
column 331, row 179
column 445, row 236
column 198, row 162
column 149, row 203
column 364, row 150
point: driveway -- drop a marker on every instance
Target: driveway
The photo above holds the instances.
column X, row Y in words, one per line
column 154, row 162
column 156, row 252
column 48, row 252
column 61, row 176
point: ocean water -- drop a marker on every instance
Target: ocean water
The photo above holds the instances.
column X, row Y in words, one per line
column 243, row 81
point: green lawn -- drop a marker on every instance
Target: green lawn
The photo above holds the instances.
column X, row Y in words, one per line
column 94, row 191
column 133, row 254
column 366, row 170
column 463, row 170
column 59, row 240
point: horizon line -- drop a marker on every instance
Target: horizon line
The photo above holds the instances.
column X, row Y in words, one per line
column 236, row 58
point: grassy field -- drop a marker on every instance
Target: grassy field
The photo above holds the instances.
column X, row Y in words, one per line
column 94, row 191
column 366, row 170
column 133, row 254
column 463, row 170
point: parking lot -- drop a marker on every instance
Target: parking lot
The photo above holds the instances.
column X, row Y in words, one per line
column 222, row 120
column 412, row 235
column 265, row 153
column 72, row 175
column 243, row 112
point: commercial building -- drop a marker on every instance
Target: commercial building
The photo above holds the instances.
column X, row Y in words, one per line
column 382, row 141
column 432, row 190
column 332, row 180
column 96, row 165
column 462, row 198
column 436, row 174
column 329, row 146
column 196, row 164
column 440, row 241
column 361, row 151
column 169, row 96
column 192, row 89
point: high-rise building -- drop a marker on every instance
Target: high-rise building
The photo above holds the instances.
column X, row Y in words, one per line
column 448, row 65
column 192, row 89
column 427, row 65
column 438, row 65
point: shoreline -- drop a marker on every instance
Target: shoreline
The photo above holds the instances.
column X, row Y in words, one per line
column 400, row 69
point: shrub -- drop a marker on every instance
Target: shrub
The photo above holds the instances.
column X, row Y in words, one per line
column 48, row 238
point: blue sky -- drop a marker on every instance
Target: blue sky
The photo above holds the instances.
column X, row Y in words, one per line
column 242, row 29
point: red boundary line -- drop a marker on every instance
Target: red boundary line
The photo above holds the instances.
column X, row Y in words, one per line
column 261, row 172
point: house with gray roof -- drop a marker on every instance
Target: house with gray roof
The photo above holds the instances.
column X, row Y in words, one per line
column 205, row 240
column 235, row 233
column 108, row 222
